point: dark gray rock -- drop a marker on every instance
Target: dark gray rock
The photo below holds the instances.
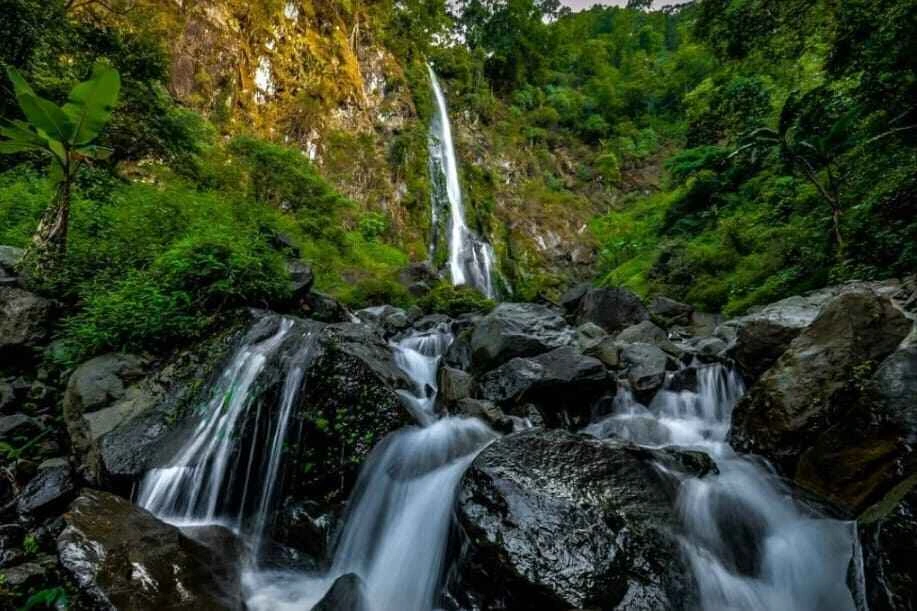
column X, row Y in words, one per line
column 454, row 385
column 517, row 330
column 347, row 593
column 9, row 258
column 30, row 575
column 8, row 403
column 870, row 449
column 606, row 350
column 25, row 324
column 888, row 532
column 487, row 411
column 121, row 557
column 301, row 279
column 557, row 521
column 669, row 311
column 18, row 427
column 48, row 492
column 562, row 383
column 323, row 308
column 613, row 309
column 647, row 332
column 571, row 299
column 646, row 367
column 305, row 526
column 810, row 387
column 708, row 349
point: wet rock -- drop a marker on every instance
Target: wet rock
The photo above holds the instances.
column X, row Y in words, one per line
column 305, row 526
column 669, row 311
column 648, row 333
column 9, row 258
column 871, row 448
column 810, row 387
column 49, row 491
column 388, row 318
column 488, row 412
column 646, row 366
column 588, row 334
column 517, row 330
column 454, row 385
column 30, row 575
column 323, row 308
column 18, row 428
column 606, row 350
column 25, row 324
column 613, row 309
column 562, row 383
column 888, row 532
column 121, row 557
column 571, row 299
column 8, row 402
column 301, row 279
column 560, row 521
column 706, row 349
column 459, row 355
column 347, row 593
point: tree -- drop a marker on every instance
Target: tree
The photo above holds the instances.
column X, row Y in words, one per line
column 68, row 136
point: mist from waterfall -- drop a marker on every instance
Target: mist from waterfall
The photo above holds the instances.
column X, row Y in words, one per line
column 751, row 545
column 471, row 259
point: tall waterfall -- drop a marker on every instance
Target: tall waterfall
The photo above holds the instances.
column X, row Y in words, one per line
column 396, row 529
column 471, row 259
column 751, row 546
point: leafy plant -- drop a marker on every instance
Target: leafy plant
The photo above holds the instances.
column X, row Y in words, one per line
column 68, row 135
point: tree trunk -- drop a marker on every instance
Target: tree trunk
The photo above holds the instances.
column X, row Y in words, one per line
column 44, row 256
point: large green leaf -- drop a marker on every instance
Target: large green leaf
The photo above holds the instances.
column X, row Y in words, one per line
column 20, row 130
column 91, row 104
column 94, row 151
column 17, row 146
column 46, row 116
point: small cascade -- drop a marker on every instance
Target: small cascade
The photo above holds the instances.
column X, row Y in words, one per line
column 395, row 534
column 750, row 544
column 471, row 259
column 215, row 478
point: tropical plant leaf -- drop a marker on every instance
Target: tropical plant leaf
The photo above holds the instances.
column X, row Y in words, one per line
column 20, row 85
column 8, row 147
column 20, row 130
column 94, row 151
column 46, row 116
column 91, row 103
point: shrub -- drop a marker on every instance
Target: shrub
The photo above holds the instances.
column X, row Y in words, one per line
column 455, row 301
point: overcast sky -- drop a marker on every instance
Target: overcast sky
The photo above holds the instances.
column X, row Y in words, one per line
column 581, row 4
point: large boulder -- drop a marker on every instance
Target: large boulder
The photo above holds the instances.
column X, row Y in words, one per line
column 871, row 448
column 25, row 324
column 558, row 521
column 517, row 330
column 669, row 311
column 52, row 488
column 562, row 383
column 613, row 309
column 647, row 332
column 810, row 387
column 120, row 556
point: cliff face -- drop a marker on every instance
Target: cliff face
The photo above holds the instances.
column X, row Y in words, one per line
column 315, row 75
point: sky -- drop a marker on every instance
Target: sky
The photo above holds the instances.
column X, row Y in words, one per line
column 581, row 4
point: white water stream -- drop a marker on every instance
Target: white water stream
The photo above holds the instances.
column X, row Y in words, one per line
column 471, row 259
column 751, row 546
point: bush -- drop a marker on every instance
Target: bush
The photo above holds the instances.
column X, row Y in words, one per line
column 455, row 301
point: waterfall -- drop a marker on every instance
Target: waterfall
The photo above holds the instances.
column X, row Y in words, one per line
column 751, row 546
column 396, row 530
column 214, row 477
column 471, row 259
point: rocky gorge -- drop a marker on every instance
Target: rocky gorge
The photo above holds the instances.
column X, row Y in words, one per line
column 574, row 491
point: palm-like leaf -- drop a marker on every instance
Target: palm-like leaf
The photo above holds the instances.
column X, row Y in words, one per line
column 91, row 103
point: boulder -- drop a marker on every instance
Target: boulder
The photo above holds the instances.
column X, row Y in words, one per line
column 517, row 330
column 8, row 403
column 588, row 334
column 489, row 412
column 306, row 526
column 871, row 448
column 301, row 279
column 48, row 492
column 30, row 575
column 389, row 319
column 323, row 308
column 25, row 324
column 558, row 521
column 347, row 593
column 454, row 385
column 9, row 259
column 613, row 309
column 708, row 349
column 669, row 311
column 120, row 556
column 606, row 350
column 562, row 383
column 571, row 299
column 887, row 533
column 648, row 333
column 18, row 428
column 811, row 386
column 646, row 367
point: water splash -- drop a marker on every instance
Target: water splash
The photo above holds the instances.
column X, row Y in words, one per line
column 750, row 544
column 471, row 259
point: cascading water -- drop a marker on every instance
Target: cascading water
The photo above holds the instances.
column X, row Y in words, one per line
column 216, row 479
column 471, row 259
column 397, row 525
column 750, row 545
